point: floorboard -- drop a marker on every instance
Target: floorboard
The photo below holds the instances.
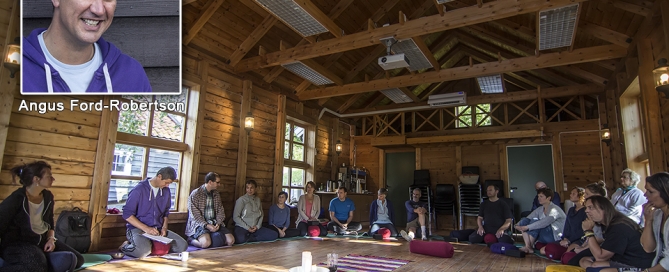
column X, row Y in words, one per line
column 281, row 255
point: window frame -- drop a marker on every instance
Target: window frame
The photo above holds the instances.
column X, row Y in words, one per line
column 474, row 112
column 309, row 154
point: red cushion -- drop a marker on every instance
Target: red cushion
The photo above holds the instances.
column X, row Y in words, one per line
column 489, row 238
column 432, row 248
column 384, row 232
column 159, row 248
column 554, row 251
column 567, row 256
column 539, row 245
column 314, row 231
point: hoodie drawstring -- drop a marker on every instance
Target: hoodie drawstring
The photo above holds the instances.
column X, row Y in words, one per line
column 49, row 84
column 107, row 79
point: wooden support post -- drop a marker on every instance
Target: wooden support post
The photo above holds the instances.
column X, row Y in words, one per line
column 333, row 147
column 382, row 169
column 97, row 206
column 606, row 148
column 503, row 167
column 370, row 24
column 618, row 153
column 558, row 165
column 242, row 152
column 279, row 142
column 418, row 159
column 8, row 86
column 651, row 105
column 403, row 18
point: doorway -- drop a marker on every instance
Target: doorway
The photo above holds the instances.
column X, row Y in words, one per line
column 526, row 166
column 399, row 176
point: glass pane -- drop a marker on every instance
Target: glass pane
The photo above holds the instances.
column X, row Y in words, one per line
column 299, row 135
column 179, row 102
column 287, row 131
column 167, row 126
column 297, row 177
column 287, row 190
column 118, row 192
column 133, row 122
column 286, row 150
column 131, row 160
column 298, row 152
column 286, row 176
column 162, row 158
column 294, row 195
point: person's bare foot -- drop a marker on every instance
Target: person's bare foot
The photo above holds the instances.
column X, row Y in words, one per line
column 526, row 250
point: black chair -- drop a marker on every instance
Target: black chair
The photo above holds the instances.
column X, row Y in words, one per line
column 445, row 201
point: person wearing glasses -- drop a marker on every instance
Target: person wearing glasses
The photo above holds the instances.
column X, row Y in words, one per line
column 628, row 199
column 27, row 235
column 416, row 213
column 248, row 217
column 205, row 227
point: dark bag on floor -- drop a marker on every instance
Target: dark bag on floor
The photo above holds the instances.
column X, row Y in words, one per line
column 74, row 229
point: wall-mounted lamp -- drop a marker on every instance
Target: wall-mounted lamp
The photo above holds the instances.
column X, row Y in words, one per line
column 249, row 122
column 661, row 77
column 12, row 59
column 606, row 135
column 338, row 147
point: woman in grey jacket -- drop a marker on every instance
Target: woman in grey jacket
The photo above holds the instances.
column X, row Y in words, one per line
column 248, row 217
column 545, row 224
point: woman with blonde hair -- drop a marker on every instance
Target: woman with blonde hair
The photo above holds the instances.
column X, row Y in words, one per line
column 629, row 199
column 308, row 210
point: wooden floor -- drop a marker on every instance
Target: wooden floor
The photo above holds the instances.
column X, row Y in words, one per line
column 282, row 255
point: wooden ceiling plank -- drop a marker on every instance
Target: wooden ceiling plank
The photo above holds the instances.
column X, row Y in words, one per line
column 605, row 34
column 515, row 29
column 510, row 65
column 354, row 98
column 480, row 57
column 420, row 43
column 315, row 12
column 362, row 64
column 640, row 10
column 421, row 26
column 252, row 39
column 187, row 2
column 341, row 6
column 596, row 79
column 207, row 11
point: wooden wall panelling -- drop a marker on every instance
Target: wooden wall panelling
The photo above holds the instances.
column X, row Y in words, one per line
column 278, row 150
column 581, row 160
column 8, row 86
column 240, row 187
column 651, row 105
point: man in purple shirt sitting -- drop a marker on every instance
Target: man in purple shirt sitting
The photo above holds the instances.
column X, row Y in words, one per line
column 147, row 211
column 416, row 213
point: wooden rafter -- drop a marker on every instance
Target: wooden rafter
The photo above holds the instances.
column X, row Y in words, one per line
column 510, row 65
column 426, row 51
column 187, row 2
column 207, row 11
column 315, row 12
column 605, row 34
column 482, row 58
column 640, row 10
column 457, row 18
column 252, row 39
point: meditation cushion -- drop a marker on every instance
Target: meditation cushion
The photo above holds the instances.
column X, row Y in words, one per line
column 385, row 233
column 489, row 238
column 567, row 256
column 217, row 239
column 432, row 248
column 564, row 268
column 501, row 248
column 554, row 251
column 462, row 235
column 539, row 245
column 160, row 249
column 314, row 231
column 61, row 261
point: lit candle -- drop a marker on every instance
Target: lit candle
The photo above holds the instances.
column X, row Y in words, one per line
column 306, row 261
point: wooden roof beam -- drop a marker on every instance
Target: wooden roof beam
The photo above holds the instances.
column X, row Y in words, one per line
column 583, row 89
column 426, row 51
column 643, row 10
column 187, row 2
column 510, row 65
column 252, row 39
column 315, row 12
column 605, row 34
column 453, row 19
column 351, row 100
column 207, row 11
column 482, row 58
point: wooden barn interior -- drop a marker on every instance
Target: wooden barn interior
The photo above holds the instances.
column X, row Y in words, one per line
column 585, row 86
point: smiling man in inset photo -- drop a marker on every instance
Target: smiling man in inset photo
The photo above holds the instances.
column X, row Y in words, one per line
column 72, row 57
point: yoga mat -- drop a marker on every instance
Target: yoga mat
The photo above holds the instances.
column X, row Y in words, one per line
column 94, row 259
column 363, row 263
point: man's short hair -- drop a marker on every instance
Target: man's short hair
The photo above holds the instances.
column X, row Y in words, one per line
column 283, row 193
column 547, row 192
column 167, row 173
column 493, row 185
column 211, row 176
column 383, row 191
column 343, row 188
column 250, row 181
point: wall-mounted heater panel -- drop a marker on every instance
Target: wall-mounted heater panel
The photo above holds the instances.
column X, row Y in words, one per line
column 491, row 84
column 556, row 27
column 307, row 73
column 294, row 16
column 397, row 96
column 417, row 60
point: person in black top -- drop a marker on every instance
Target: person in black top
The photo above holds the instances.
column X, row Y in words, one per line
column 621, row 247
column 26, row 221
column 494, row 218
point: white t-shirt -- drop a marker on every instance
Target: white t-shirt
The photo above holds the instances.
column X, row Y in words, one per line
column 36, row 223
column 77, row 77
column 155, row 190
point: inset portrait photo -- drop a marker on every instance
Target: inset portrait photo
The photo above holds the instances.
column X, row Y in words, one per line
column 100, row 47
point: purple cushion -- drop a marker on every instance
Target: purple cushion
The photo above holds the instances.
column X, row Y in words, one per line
column 432, row 248
column 501, row 248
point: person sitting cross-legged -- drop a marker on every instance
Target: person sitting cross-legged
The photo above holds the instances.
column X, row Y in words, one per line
column 381, row 214
column 494, row 218
column 248, row 217
column 309, row 210
column 416, row 215
column 279, row 217
column 205, row 226
column 545, row 224
column 341, row 214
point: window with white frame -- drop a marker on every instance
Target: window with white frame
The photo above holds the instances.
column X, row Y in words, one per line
column 147, row 141
column 466, row 115
column 295, row 160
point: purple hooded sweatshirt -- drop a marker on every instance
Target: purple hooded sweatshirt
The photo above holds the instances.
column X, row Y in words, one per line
column 148, row 209
column 119, row 73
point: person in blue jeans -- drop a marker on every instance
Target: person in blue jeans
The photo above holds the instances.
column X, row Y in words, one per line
column 545, row 224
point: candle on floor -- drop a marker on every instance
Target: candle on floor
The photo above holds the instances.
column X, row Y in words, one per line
column 306, row 261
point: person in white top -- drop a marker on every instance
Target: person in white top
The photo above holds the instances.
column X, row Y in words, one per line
column 628, row 199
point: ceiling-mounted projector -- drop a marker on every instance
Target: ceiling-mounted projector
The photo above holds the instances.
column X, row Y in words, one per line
column 390, row 62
